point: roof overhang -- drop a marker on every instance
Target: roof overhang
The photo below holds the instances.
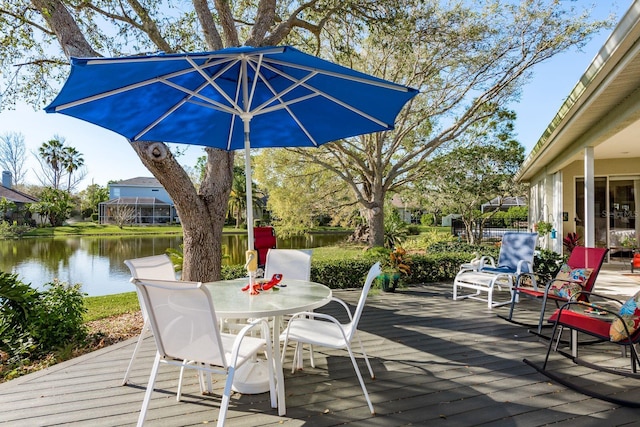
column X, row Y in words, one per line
column 602, row 110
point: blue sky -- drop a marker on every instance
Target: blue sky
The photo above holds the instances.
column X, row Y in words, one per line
column 108, row 156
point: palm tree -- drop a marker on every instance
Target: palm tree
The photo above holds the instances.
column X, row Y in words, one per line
column 238, row 195
column 71, row 161
column 52, row 152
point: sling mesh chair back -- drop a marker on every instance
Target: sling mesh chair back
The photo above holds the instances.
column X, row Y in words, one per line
column 151, row 267
column 185, row 328
column 294, row 264
column 323, row 330
column 291, row 263
column 575, row 279
column 516, row 256
column 608, row 320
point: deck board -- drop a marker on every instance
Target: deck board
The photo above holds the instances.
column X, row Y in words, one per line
column 436, row 361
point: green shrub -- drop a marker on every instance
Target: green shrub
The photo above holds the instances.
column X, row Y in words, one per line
column 546, row 264
column 57, row 319
column 35, row 323
column 341, row 274
column 457, row 246
column 16, row 304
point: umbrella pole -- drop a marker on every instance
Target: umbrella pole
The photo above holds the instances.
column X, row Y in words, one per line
column 248, row 189
column 251, row 255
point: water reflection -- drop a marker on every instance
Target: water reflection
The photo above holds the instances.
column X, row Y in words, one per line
column 98, row 262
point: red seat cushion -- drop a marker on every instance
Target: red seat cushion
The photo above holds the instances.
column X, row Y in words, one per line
column 591, row 325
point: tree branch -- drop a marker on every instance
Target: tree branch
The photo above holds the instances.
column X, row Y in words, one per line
column 205, row 17
column 225, row 15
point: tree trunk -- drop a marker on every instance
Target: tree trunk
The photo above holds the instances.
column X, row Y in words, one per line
column 202, row 215
column 375, row 218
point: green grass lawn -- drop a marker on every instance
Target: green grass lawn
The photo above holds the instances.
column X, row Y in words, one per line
column 105, row 306
column 94, row 229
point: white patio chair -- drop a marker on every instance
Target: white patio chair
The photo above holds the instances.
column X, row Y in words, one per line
column 151, row 267
column 294, row 264
column 516, row 256
column 185, row 327
column 323, row 330
column 291, row 263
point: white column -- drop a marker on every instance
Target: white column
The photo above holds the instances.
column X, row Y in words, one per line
column 589, row 203
column 556, row 244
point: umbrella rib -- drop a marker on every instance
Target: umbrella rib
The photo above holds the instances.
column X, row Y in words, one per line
column 282, row 104
column 206, row 101
column 211, row 80
column 387, row 85
column 155, row 79
column 168, row 112
column 301, row 82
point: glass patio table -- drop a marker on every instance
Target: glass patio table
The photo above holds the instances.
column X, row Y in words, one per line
column 290, row 297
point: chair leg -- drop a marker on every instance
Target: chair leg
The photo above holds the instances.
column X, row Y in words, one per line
column 313, row 362
column 359, row 375
column 272, row 364
column 542, row 310
column 224, row 404
column 366, row 358
column 179, row 393
column 147, row 394
column 145, row 329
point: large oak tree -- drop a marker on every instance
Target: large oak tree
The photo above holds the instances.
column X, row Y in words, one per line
column 465, row 62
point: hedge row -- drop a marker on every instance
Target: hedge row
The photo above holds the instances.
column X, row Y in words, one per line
column 350, row 273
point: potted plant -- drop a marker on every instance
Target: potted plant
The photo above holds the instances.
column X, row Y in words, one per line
column 543, row 228
column 394, row 266
column 571, row 241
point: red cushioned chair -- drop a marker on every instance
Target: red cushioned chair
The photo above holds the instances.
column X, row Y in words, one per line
column 580, row 258
column 264, row 239
column 586, row 317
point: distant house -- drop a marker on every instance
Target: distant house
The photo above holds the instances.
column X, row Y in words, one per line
column 142, row 200
column 505, row 203
column 447, row 220
column 20, row 214
column 408, row 211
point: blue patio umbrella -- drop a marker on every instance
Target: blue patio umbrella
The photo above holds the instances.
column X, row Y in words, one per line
column 232, row 99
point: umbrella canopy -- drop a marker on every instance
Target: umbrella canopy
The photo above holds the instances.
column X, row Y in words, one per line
column 235, row 98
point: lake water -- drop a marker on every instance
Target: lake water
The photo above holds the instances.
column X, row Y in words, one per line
column 97, row 263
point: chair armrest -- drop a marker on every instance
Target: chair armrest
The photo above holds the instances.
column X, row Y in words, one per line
column 486, row 259
column 601, row 307
column 521, row 263
column 345, row 306
column 532, row 276
column 260, row 322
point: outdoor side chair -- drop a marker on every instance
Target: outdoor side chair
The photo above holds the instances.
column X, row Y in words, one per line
column 292, row 264
column 151, row 267
column 607, row 320
column 323, row 330
column 576, row 278
column 185, row 327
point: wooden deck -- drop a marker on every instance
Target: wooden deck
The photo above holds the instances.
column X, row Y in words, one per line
column 437, row 362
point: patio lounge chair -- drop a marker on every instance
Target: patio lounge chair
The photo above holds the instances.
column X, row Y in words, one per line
column 606, row 320
column 578, row 274
column 516, row 256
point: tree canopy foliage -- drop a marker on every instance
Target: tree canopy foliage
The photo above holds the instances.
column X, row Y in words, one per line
column 467, row 59
column 479, row 168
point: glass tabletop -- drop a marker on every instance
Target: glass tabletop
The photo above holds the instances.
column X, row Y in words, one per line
column 298, row 295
